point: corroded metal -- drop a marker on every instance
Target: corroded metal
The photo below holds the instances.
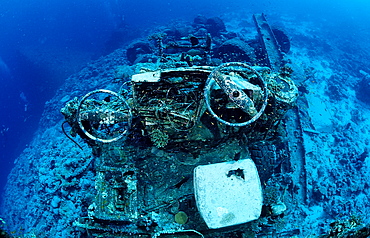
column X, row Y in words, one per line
column 147, row 143
column 270, row 46
column 236, row 93
column 104, row 116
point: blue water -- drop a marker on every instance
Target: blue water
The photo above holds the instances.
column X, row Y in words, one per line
column 39, row 38
column 26, row 84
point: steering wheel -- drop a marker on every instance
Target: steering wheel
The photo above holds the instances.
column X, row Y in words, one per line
column 112, row 120
column 234, row 91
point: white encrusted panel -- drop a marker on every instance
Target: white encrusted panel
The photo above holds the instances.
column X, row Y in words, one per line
column 228, row 193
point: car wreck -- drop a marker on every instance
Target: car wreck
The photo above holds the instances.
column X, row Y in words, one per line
column 177, row 151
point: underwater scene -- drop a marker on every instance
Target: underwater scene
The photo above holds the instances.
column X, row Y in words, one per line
column 184, row 119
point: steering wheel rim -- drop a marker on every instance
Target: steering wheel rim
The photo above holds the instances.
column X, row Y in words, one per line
column 79, row 115
column 240, row 99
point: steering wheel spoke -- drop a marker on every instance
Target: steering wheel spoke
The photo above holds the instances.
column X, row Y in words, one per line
column 236, row 89
column 105, row 122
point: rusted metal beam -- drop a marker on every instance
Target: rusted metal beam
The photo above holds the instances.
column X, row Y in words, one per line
column 270, row 46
